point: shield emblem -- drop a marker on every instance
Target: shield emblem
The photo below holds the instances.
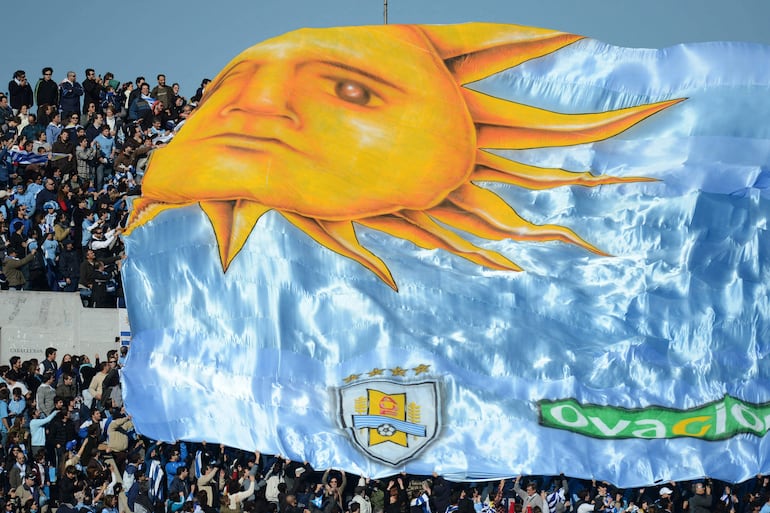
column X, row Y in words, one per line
column 391, row 421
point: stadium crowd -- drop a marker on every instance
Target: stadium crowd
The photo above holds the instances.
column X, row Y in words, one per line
column 71, row 161
column 68, row 172
column 69, row 445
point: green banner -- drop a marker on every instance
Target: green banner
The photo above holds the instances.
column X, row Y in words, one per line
column 714, row 421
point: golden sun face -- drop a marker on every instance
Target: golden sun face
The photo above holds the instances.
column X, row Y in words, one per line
column 372, row 126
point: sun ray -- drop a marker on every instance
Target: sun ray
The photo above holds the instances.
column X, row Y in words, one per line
column 340, row 237
column 485, row 214
column 232, row 222
column 493, row 168
column 418, row 228
column 509, row 125
column 487, row 48
column 144, row 210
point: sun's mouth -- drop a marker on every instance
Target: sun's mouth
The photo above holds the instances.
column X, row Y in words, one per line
column 246, row 142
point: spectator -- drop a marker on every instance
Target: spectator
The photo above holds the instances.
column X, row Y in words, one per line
column 46, row 90
column 86, row 156
column 46, row 394
column 136, row 91
column 92, row 89
column 23, row 115
column 66, row 160
column 6, row 113
column 49, row 362
column 141, row 106
column 66, row 390
column 32, row 131
column 70, row 92
column 530, row 498
column 96, row 388
column 163, row 92
column 20, row 91
column 701, row 502
column 45, row 111
column 94, row 128
column 19, row 468
column 91, row 110
column 68, row 484
column 46, row 195
column 199, row 95
column 54, row 128
column 71, row 125
column 105, row 146
column 12, row 268
column 37, row 429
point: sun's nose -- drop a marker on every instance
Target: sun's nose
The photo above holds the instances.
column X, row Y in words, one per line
column 267, row 91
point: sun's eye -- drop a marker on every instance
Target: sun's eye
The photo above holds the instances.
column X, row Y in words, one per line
column 353, row 92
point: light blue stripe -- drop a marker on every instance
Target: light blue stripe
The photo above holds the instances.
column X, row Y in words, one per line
column 374, row 421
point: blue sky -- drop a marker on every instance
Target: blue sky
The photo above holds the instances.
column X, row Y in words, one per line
column 191, row 39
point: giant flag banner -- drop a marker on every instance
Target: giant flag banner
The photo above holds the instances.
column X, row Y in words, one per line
column 481, row 250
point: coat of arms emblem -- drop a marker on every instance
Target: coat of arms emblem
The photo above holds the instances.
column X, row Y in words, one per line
column 391, row 421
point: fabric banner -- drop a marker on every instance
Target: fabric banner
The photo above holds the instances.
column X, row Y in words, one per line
column 481, row 250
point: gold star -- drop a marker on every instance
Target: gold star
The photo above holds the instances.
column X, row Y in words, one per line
column 376, row 372
column 420, row 369
column 398, row 371
column 352, row 377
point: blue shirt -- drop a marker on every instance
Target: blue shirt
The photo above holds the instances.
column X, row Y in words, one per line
column 52, row 133
column 106, row 144
column 86, row 238
column 3, row 415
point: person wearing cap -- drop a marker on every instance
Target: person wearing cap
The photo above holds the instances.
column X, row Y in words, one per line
column 664, row 501
column 29, row 491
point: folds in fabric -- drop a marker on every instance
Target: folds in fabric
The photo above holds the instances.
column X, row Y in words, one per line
column 581, row 288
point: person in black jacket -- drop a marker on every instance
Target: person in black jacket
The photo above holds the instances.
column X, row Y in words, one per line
column 69, row 266
column 46, row 90
column 92, row 89
column 68, row 485
column 20, row 91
